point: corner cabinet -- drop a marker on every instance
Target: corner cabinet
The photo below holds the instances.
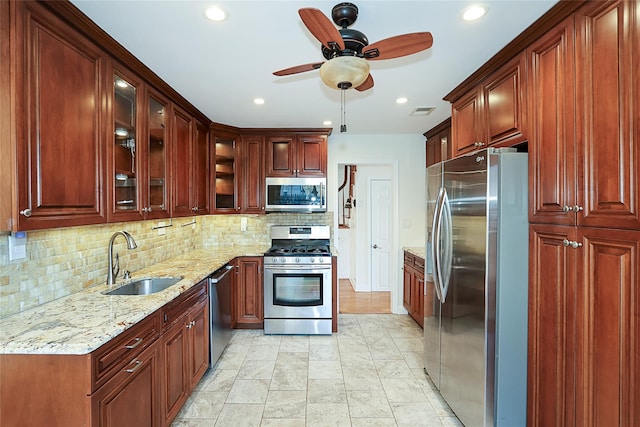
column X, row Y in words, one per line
column 59, row 176
column 248, row 293
column 492, row 114
column 301, row 155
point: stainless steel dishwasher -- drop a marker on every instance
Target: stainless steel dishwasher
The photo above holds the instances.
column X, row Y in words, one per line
column 219, row 312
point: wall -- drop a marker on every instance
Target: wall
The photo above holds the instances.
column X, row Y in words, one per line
column 67, row 260
column 406, row 155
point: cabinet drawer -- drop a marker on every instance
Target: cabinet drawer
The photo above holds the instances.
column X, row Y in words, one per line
column 119, row 351
column 408, row 258
column 419, row 263
column 178, row 307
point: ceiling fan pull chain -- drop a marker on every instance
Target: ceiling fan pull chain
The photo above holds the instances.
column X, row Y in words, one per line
column 343, row 125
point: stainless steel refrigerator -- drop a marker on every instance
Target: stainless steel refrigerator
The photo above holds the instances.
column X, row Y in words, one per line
column 475, row 320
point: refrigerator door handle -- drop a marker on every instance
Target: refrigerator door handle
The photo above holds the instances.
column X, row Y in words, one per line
column 446, row 258
column 436, row 248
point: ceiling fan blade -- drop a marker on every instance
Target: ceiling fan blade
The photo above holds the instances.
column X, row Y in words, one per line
column 395, row 47
column 321, row 27
column 298, row 69
column 368, row 84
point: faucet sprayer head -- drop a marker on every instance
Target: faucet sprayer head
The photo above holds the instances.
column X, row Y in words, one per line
column 131, row 244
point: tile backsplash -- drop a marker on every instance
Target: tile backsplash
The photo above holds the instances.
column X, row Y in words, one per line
column 63, row 261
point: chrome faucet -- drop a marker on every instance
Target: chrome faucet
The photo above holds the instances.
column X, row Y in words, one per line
column 114, row 269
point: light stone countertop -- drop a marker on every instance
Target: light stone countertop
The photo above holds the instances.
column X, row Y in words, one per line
column 417, row 251
column 82, row 322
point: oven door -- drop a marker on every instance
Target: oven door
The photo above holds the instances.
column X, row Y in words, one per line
column 297, row 291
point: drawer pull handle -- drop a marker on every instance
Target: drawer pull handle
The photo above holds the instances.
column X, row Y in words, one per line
column 137, row 342
column 138, row 364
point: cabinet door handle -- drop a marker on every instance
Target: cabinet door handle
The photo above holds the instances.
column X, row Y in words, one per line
column 26, row 212
column 567, row 208
column 571, row 243
column 137, row 365
column 578, row 208
column 136, row 343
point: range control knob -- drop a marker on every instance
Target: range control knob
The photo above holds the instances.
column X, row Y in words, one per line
column 282, row 260
column 297, row 260
column 312, row 260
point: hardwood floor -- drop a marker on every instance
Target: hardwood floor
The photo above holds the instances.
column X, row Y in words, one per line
column 362, row 302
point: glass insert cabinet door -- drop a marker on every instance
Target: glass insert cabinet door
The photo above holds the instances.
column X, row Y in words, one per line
column 124, row 138
column 157, row 156
column 225, row 184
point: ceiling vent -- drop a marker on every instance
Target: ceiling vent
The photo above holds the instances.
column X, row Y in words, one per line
column 422, row 111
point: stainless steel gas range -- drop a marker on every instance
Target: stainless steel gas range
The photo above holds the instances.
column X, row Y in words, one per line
column 297, row 281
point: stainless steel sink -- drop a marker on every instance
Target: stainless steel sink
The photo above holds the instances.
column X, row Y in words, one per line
column 145, row 286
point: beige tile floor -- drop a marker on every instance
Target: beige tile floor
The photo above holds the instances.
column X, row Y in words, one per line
column 368, row 374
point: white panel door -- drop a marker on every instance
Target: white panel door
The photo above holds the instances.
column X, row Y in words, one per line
column 381, row 234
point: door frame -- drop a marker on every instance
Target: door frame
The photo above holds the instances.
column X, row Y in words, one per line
column 395, row 288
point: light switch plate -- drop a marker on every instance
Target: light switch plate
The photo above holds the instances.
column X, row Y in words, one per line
column 161, row 231
column 243, row 224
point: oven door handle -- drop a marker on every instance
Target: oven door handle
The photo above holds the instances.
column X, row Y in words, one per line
column 297, row 267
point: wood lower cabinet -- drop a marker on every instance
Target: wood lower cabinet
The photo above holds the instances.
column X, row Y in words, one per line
column 185, row 348
column 413, row 285
column 142, row 377
column 585, row 306
column 552, row 314
column 132, row 397
column 248, row 293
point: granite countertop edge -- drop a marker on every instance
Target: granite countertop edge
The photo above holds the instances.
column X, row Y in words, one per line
column 82, row 322
column 418, row 251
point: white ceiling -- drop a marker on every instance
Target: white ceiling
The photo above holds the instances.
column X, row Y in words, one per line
column 221, row 67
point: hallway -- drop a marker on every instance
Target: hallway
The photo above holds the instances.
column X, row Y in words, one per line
column 362, row 302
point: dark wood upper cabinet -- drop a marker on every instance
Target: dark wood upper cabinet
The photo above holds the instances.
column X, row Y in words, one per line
column 252, row 182
column 438, row 143
column 492, row 114
column 607, row 121
column 281, row 156
column 552, row 163
column 190, row 171
column 156, row 189
column 302, row 155
column 59, row 140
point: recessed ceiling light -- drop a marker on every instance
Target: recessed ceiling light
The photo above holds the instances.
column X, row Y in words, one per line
column 258, row 101
column 216, row 14
column 402, row 100
column 474, row 12
column 327, row 123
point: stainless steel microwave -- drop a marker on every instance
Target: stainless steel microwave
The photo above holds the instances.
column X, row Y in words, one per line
column 300, row 195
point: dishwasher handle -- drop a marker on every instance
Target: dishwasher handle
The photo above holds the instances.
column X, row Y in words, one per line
column 225, row 270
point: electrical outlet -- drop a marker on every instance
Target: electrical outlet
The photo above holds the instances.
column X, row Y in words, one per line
column 17, row 245
column 161, row 231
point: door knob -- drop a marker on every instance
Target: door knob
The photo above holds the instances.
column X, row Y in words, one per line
column 376, row 247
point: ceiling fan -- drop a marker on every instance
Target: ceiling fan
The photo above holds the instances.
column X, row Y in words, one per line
column 347, row 50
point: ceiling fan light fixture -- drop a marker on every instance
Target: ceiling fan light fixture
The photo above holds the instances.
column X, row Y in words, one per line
column 344, row 72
